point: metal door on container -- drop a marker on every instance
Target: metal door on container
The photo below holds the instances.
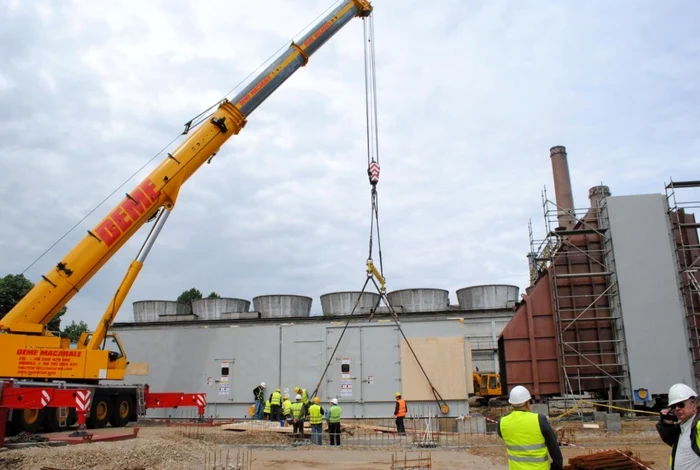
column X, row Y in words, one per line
column 343, row 378
column 381, row 363
column 301, row 361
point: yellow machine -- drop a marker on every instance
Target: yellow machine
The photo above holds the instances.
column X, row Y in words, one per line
column 487, row 389
column 28, row 350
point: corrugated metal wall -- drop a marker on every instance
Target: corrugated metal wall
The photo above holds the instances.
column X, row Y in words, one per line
column 190, row 357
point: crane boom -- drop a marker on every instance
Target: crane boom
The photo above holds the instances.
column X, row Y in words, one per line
column 30, row 351
column 161, row 187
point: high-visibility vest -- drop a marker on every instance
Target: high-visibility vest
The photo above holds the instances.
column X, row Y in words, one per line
column 315, row 416
column 525, row 443
column 267, row 407
column 276, row 398
column 304, row 396
column 297, row 408
column 402, row 408
column 286, row 407
column 334, row 417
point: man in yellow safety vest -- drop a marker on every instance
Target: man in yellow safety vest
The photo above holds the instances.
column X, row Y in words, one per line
column 298, row 416
column 287, row 409
column 334, row 422
column 316, row 420
column 529, row 438
column 267, row 409
column 276, row 406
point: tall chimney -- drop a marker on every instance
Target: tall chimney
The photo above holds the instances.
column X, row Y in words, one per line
column 596, row 195
column 562, row 187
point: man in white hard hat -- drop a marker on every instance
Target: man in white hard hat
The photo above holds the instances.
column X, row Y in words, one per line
column 334, row 422
column 298, row 414
column 677, row 427
column 529, row 438
column 259, row 396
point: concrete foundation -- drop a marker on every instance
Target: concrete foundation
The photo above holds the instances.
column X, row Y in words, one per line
column 612, row 422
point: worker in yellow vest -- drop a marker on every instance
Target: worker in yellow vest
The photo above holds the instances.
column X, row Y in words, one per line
column 267, row 409
column 287, row 409
column 276, row 406
column 298, row 416
column 304, row 395
column 529, row 438
column 334, row 422
column 316, row 420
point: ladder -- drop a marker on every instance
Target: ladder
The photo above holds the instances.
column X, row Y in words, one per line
column 140, row 401
column 63, row 410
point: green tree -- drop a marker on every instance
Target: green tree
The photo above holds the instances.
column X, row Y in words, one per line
column 13, row 287
column 74, row 330
column 214, row 295
column 189, row 295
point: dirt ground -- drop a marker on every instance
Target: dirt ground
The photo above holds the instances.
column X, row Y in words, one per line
column 175, row 448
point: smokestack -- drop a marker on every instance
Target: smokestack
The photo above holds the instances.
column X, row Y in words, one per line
column 596, row 195
column 562, row 187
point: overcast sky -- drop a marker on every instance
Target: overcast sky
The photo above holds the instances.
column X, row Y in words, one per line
column 471, row 96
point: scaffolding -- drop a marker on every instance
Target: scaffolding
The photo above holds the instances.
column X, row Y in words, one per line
column 682, row 197
column 585, row 299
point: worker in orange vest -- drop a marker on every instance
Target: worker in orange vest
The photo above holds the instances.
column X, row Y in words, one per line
column 400, row 412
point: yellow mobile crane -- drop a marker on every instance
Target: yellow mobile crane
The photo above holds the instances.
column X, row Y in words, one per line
column 32, row 354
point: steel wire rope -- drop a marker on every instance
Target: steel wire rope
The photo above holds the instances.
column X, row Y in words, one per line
column 188, row 126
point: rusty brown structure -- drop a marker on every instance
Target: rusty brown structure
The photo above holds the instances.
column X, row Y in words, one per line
column 565, row 336
column 569, row 334
column 685, row 236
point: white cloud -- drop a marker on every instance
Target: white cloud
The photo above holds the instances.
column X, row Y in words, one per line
column 471, row 97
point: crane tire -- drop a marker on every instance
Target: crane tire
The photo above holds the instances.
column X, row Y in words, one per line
column 123, row 409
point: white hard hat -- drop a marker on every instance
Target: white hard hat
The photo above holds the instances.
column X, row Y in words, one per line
column 334, row 401
column 680, row 392
column 519, row 395
column 262, row 384
column 298, row 397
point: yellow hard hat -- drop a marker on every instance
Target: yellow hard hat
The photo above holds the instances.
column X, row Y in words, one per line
column 277, row 390
column 297, row 389
column 286, row 397
column 317, row 400
column 398, row 394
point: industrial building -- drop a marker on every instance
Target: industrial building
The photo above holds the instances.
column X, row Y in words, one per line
column 612, row 305
column 225, row 348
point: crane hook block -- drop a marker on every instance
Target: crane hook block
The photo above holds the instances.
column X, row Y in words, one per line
column 373, row 172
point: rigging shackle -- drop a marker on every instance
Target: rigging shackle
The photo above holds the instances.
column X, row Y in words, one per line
column 373, row 172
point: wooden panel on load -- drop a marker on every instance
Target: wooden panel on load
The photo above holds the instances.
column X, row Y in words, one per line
column 446, row 360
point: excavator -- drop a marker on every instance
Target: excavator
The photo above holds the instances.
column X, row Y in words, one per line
column 34, row 356
column 487, row 390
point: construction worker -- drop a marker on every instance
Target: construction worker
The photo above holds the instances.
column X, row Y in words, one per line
column 304, row 395
column 316, row 420
column 298, row 417
column 276, row 405
column 267, row 411
column 528, row 436
column 259, row 397
column 287, row 409
column 678, row 427
column 334, row 422
column 400, row 411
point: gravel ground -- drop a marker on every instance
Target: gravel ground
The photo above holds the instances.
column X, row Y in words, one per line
column 174, row 448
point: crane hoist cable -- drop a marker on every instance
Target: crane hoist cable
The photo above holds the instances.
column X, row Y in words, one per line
column 373, row 170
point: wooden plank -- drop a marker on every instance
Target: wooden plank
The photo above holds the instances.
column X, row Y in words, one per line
column 137, row 368
column 444, row 359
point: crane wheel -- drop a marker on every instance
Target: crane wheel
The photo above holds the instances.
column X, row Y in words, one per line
column 100, row 412
column 27, row 420
column 51, row 420
column 123, row 408
column 444, row 408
